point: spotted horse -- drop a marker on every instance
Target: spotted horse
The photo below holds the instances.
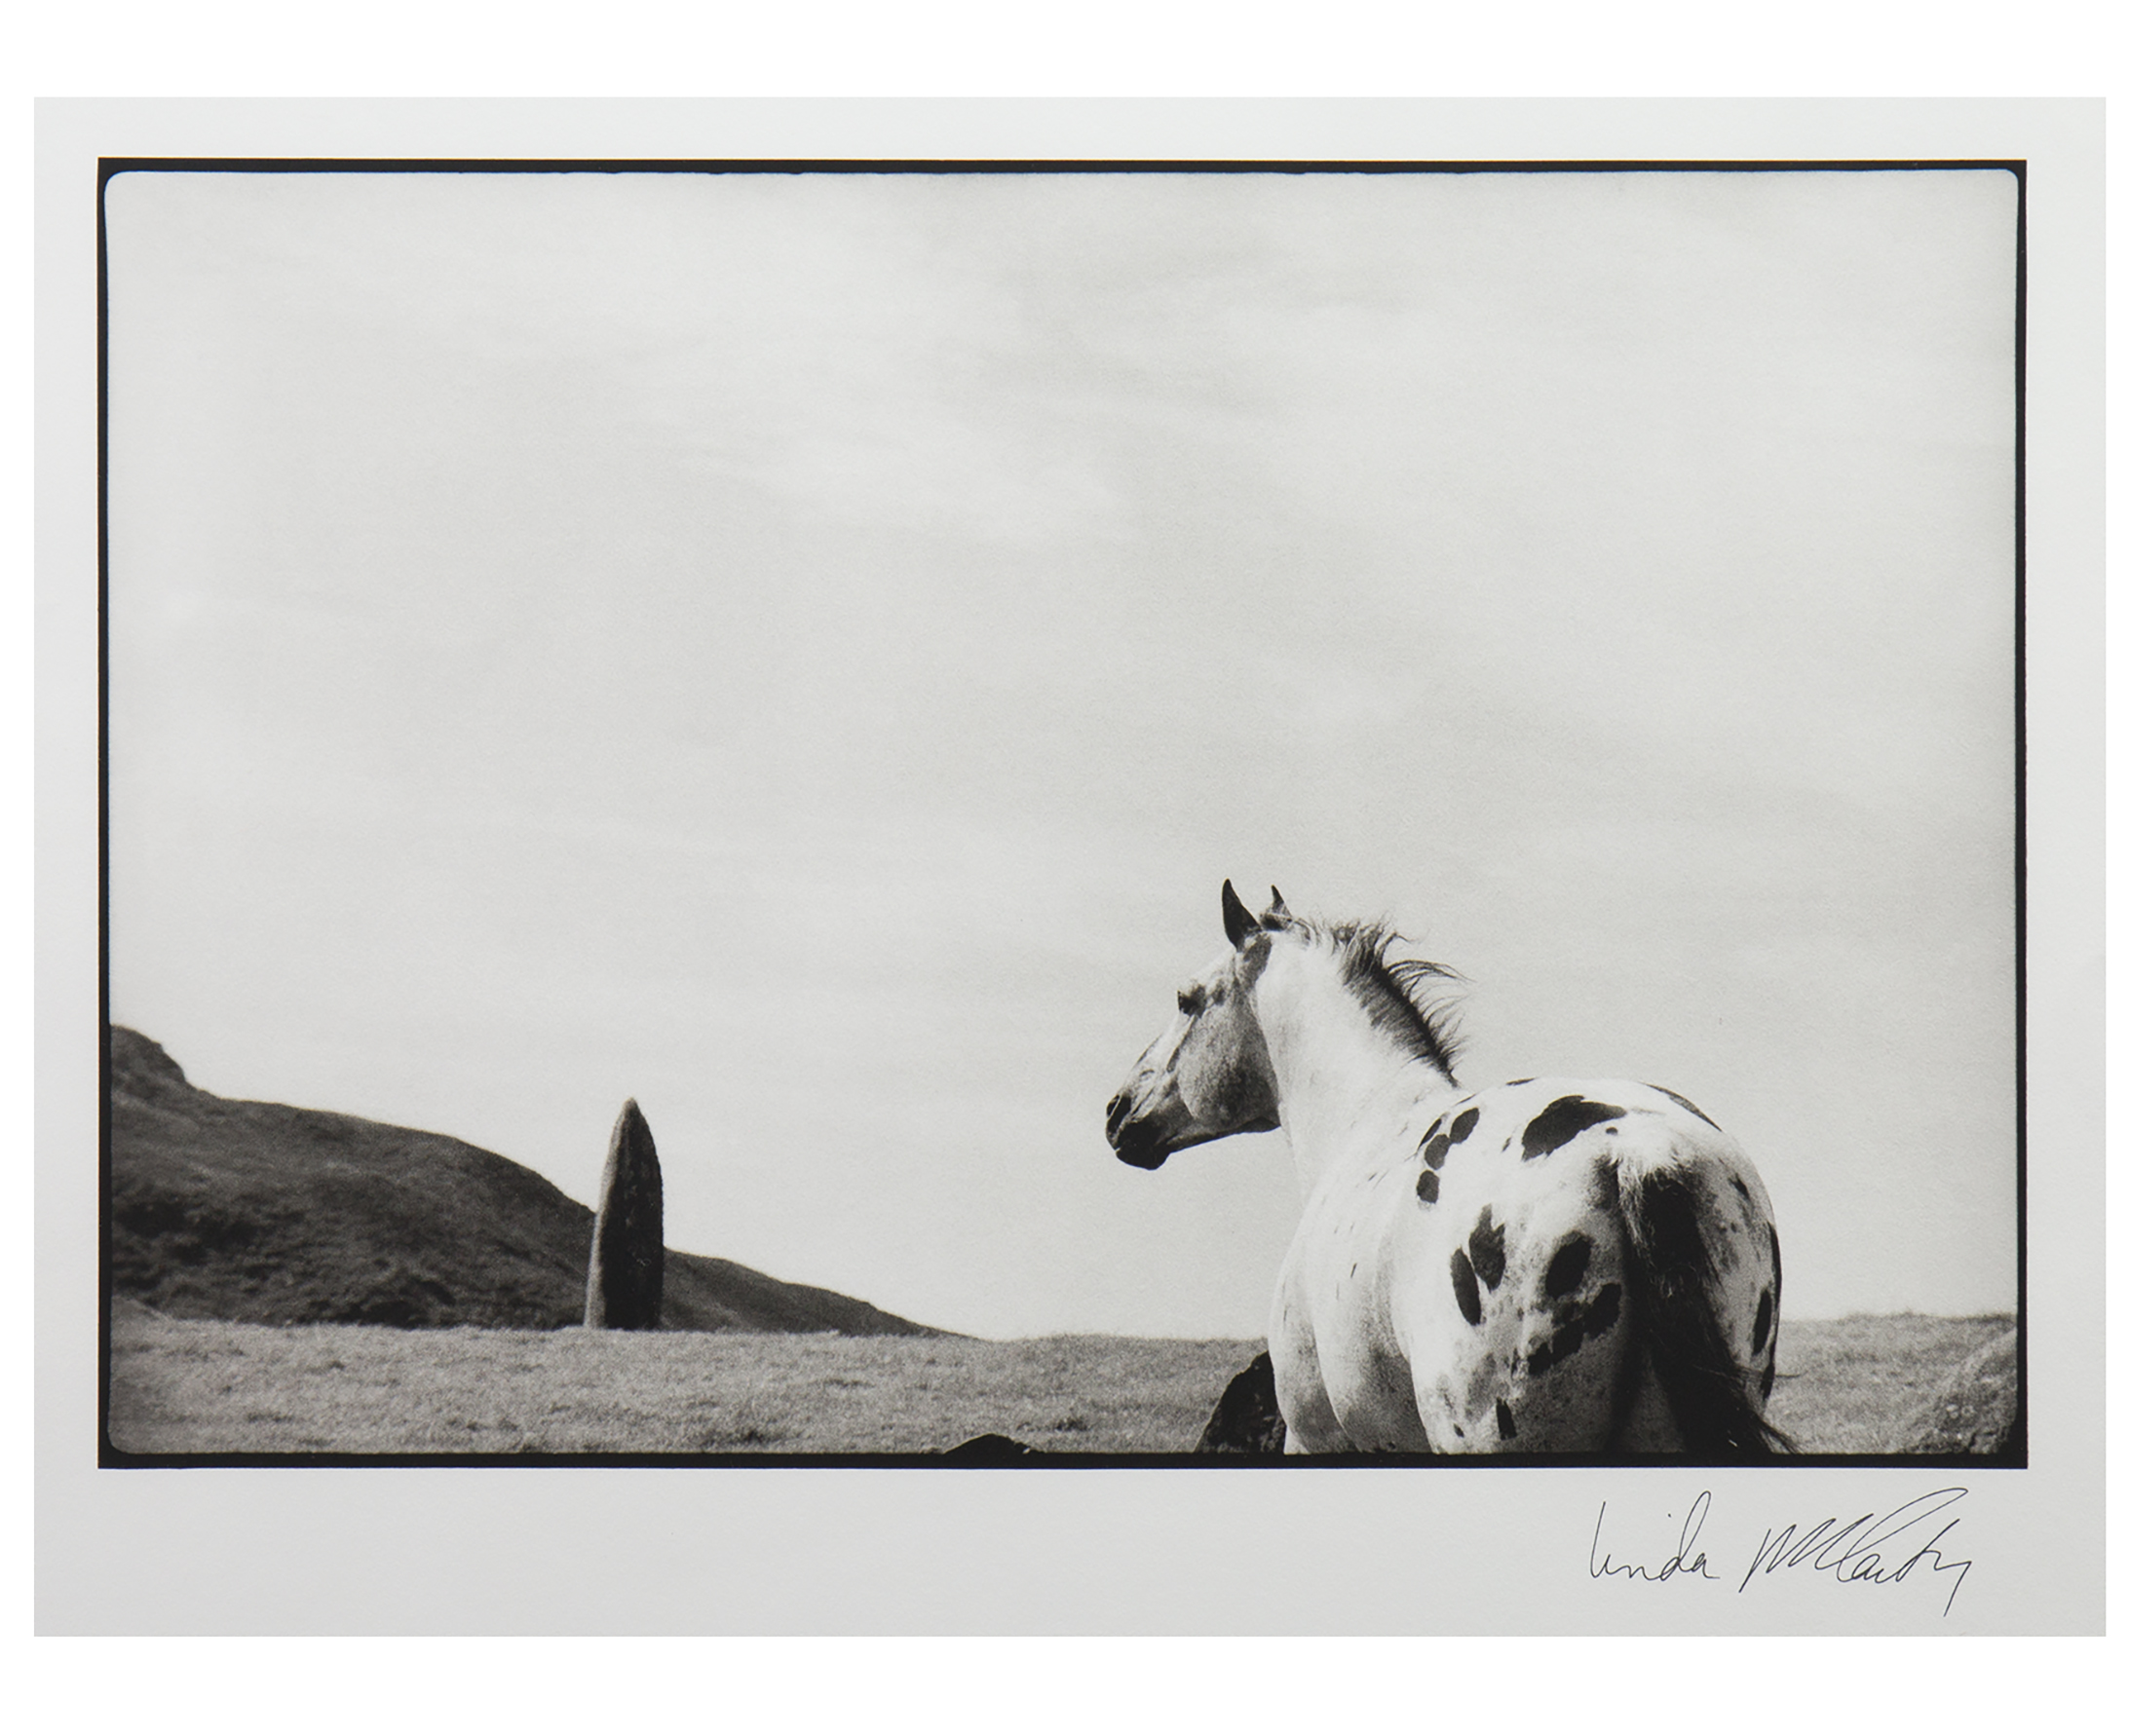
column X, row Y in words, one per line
column 1549, row 1266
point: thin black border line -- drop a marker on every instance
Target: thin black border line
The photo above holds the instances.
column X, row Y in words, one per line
column 108, row 1457
column 1961, row 1462
column 2018, row 783
column 951, row 166
column 103, row 828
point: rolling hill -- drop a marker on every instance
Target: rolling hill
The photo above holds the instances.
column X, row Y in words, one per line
column 228, row 1210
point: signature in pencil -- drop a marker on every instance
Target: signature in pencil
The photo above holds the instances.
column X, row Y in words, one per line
column 1868, row 1549
column 1872, row 1550
column 1689, row 1534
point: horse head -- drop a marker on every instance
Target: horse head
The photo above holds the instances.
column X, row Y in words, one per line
column 1208, row 1073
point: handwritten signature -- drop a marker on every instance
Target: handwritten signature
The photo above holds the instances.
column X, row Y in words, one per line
column 1865, row 1551
column 1689, row 1534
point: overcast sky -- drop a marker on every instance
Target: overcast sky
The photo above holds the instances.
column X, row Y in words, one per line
column 802, row 650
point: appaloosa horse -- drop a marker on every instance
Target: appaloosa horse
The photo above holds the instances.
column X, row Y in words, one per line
column 1549, row 1266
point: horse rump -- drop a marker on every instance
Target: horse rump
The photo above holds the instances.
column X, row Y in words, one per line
column 1672, row 1280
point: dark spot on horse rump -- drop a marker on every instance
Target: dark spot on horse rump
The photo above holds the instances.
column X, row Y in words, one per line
column 1574, row 1325
column 1489, row 1246
column 1519, row 1081
column 1766, row 1383
column 1437, row 1150
column 1686, row 1104
column 1570, row 1266
column 1429, row 1189
column 1462, row 1130
column 1561, row 1120
column 1465, row 1282
column 1505, row 1420
column 1761, row 1321
column 1433, row 1127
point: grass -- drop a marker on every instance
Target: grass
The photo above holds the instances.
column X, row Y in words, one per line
column 219, row 1386
column 1845, row 1385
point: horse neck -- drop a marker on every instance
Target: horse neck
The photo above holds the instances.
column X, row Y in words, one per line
column 1343, row 1084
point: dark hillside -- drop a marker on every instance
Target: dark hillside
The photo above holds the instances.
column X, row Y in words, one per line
column 257, row 1212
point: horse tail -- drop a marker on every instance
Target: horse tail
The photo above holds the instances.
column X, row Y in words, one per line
column 1672, row 1280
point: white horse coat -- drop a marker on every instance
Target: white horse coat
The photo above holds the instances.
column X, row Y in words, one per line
column 1548, row 1266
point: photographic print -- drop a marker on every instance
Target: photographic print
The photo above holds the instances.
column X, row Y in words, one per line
column 1237, row 822
column 790, row 659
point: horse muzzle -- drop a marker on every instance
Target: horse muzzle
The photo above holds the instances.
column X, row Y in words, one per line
column 1136, row 1136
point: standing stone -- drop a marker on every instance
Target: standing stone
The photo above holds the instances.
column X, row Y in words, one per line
column 627, row 1284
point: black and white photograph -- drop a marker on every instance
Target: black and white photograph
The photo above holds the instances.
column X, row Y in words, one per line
column 1240, row 819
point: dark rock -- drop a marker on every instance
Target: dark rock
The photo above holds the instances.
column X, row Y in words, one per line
column 1247, row 1419
column 1975, row 1410
column 990, row 1449
column 625, row 1286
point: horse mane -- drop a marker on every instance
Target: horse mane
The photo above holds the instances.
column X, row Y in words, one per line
column 1394, row 993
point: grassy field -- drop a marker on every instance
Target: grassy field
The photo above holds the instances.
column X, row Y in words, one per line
column 215, row 1387
column 1843, row 1385
column 206, row 1386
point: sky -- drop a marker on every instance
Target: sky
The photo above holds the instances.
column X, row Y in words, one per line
column 802, row 650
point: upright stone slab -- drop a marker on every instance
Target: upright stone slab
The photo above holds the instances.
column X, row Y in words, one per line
column 627, row 1284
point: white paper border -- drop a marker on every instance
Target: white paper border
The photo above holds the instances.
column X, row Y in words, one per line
column 1067, row 1551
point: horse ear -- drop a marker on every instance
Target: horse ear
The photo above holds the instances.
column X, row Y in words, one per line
column 1278, row 905
column 1240, row 925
